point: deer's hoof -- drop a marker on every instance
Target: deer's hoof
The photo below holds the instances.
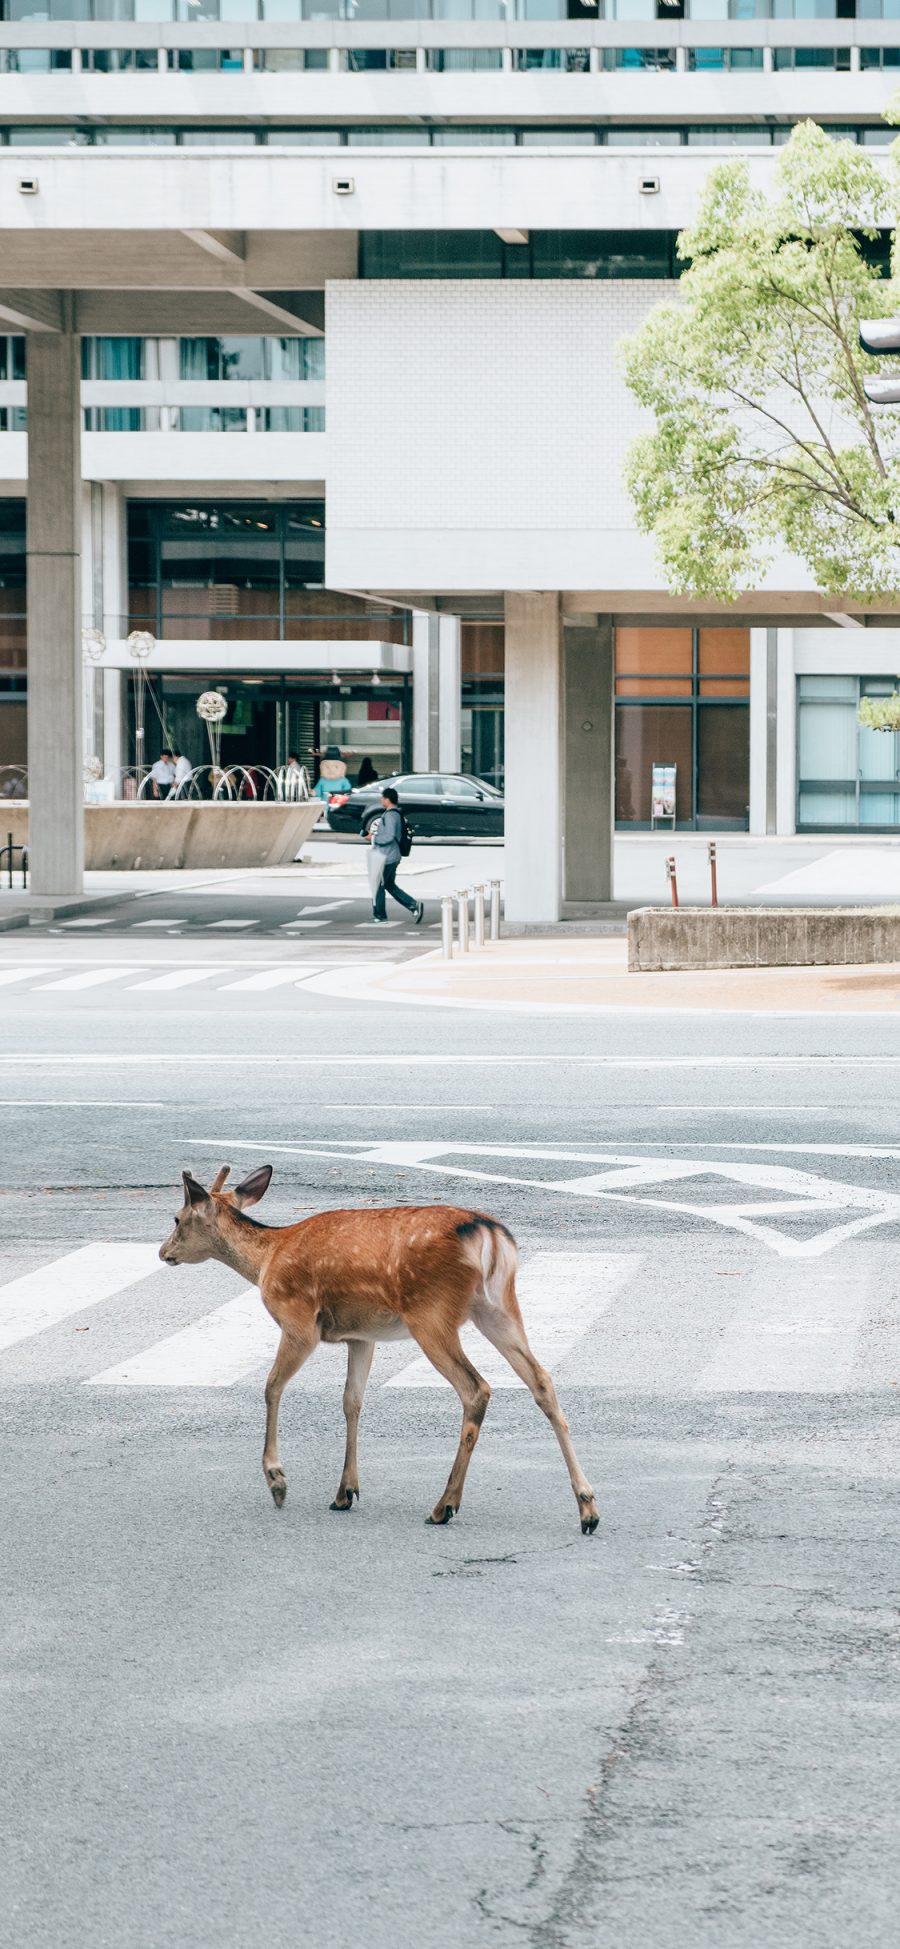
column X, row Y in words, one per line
column 342, row 1507
column 438, row 1521
column 589, row 1517
column 278, row 1486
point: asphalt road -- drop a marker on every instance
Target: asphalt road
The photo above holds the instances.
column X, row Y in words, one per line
column 226, row 1724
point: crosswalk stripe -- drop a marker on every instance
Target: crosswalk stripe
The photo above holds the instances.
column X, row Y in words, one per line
column 83, row 1278
column 216, row 1351
column 135, row 924
column 87, row 978
column 325, row 906
column 176, row 978
column 212, row 924
column 561, row 1294
column 795, row 1334
column 9, row 975
column 267, row 978
column 292, row 926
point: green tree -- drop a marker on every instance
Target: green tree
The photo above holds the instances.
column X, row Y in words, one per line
column 763, row 439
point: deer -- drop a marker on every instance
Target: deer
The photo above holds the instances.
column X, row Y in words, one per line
column 359, row 1276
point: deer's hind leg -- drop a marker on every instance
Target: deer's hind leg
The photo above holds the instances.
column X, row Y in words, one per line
column 442, row 1347
column 359, row 1363
column 501, row 1323
column 290, row 1356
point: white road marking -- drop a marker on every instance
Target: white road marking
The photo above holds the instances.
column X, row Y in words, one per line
column 176, row 978
column 107, row 921
column 212, row 924
column 216, row 1351
column 9, row 975
column 807, row 1193
column 326, row 906
column 266, row 978
column 153, row 923
column 561, row 1294
column 87, row 978
column 95, row 1272
column 360, row 924
column 293, row 926
column 801, row 1341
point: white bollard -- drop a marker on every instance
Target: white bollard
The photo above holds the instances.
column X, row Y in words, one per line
column 447, row 926
column 495, row 910
column 462, row 920
column 478, row 897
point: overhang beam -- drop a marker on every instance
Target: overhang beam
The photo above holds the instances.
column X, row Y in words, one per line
column 31, row 311
column 229, row 246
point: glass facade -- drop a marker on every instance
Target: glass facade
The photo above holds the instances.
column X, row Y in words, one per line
column 848, row 776
column 547, row 254
column 682, row 698
column 241, row 570
column 13, row 747
column 271, row 716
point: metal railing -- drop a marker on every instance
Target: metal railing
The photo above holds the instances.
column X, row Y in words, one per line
column 6, row 853
column 486, row 910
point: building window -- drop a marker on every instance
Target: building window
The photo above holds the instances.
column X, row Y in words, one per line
column 119, row 419
column 112, row 358
column 456, row 60
column 290, row 419
column 682, row 698
column 661, row 59
column 35, row 60
column 572, row 60
column 702, row 59
column 368, row 59
column 196, row 60
column 547, row 254
column 879, row 57
column 119, row 60
column 812, row 57
column 191, row 562
column 221, row 358
column 212, row 419
column 847, row 774
column 12, row 356
column 288, row 60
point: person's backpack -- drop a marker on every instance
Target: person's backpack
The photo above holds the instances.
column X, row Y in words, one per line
column 406, row 837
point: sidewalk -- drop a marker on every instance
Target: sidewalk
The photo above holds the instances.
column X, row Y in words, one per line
column 590, row 976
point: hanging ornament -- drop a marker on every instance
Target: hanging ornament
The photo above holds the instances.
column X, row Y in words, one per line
column 212, row 707
column 93, row 644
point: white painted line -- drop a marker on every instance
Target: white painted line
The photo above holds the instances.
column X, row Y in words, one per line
column 799, row 1339
column 153, row 923
column 176, row 978
column 455, row 1059
column 9, row 975
column 326, row 906
column 266, row 978
column 360, row 924
column 105, row 922
column 88, row 978
column 215, row 1352
column 561, row 1294
column 291, row 926
column 95, row 1272
column 211, row 924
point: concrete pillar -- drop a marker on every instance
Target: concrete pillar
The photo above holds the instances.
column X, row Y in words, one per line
column 450, row 694
column 786, row 736
column 763, row 729
column 426, row 648
column 588, row 764
column 55, row 786
column 534, row 703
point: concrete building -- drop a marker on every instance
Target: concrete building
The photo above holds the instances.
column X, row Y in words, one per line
column 310, row 372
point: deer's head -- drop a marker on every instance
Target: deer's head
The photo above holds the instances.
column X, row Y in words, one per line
column 204, row 1216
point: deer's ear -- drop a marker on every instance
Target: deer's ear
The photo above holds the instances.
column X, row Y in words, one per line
column 194, row 1193
column 253, row 1187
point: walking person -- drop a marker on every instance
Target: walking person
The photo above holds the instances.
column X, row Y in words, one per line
column 386, row 838
column 184, row 772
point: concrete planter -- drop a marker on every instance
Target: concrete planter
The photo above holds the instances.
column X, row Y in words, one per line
column 186, row 834
column 661, row 938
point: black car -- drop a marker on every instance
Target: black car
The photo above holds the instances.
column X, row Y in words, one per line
column 437, row 804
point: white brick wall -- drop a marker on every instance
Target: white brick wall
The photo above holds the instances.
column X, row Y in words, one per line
column 476, row 432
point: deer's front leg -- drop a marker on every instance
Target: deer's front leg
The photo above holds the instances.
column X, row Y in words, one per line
column 291, row 1355
column 359, row 1363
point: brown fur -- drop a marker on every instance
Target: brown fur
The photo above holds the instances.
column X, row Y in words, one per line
column 358, row 1276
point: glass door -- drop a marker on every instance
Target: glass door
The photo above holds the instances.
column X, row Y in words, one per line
column 879, row 765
